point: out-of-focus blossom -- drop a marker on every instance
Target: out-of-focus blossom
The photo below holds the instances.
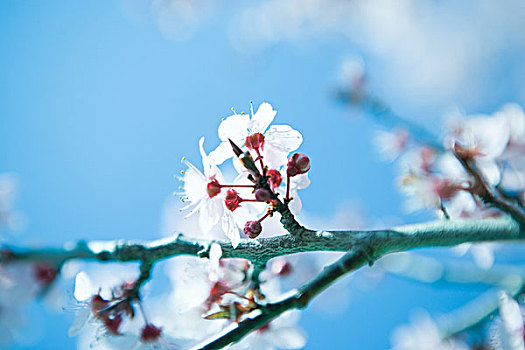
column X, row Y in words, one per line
column 507, row 330
column 422, row 334
column 391, row 144
column 282, row 333
column 483, row 253
column 9, row 218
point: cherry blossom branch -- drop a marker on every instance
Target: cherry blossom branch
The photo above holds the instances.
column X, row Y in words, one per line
column 443, row 233
column 361, row 246
column 484, row 191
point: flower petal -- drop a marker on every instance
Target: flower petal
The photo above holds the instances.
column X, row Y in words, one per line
column 284, row 137
column 230, row 229
column 221, row 153
column 234, row 127
column 83, row 287
column 289, row 338
column 262, row 118
column 81, row 317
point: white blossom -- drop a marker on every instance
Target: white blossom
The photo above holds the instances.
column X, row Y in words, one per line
column 279, row 141
column 211, row 210
column 507, row 330
column 422, row 334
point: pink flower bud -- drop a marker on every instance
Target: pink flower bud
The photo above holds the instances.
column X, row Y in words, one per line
column 274, row 178
column 232, row 200
column 213, row 187
column 466, row 152
column 255, row 141
column 150, row 333
column 262, row 195
column 298, row 164
column 281, row 267
column 252, row 229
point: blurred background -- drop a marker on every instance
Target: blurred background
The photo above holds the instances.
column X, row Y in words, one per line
column 100, row 100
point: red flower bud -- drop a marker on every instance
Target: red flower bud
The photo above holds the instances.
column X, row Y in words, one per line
column 150, row 333
column 45, row 274
column 252, row 229
column 298, row 164
column 112, row 324
column 262, row 195
column 274, row 178
column 255, row 141
column 213, row 187
column 232, row 200
column 97, row 304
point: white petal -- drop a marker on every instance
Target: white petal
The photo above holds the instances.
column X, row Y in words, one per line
column 230, row 229
column 274, row 157
column 509, row 310
column 483, row 255
column 490, row 133
column 194, row 183
column 262, row 118
column 490, row 171
column 300, row 182
column 284, row 137
column 125, row 341
column 289, row 338
column 215, row 252
column 516, row 120
column 221, row 153
column 210, row 214
column 81, row 317
column 84, row 289
column 234, row 127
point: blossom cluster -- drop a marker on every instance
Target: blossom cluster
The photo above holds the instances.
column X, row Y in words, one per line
column 208, row 295
column 266, row 175
column 437, row 178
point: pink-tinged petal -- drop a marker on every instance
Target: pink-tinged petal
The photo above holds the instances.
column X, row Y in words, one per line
column 284, row 137
column 262, row 118
column 234, row 127
column 490, row 171
column 489, row 133
column 221, row 153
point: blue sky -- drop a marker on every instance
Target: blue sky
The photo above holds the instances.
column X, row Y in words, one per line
column 97, row 110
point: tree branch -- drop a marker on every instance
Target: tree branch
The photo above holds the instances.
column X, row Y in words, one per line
column 444, row 233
